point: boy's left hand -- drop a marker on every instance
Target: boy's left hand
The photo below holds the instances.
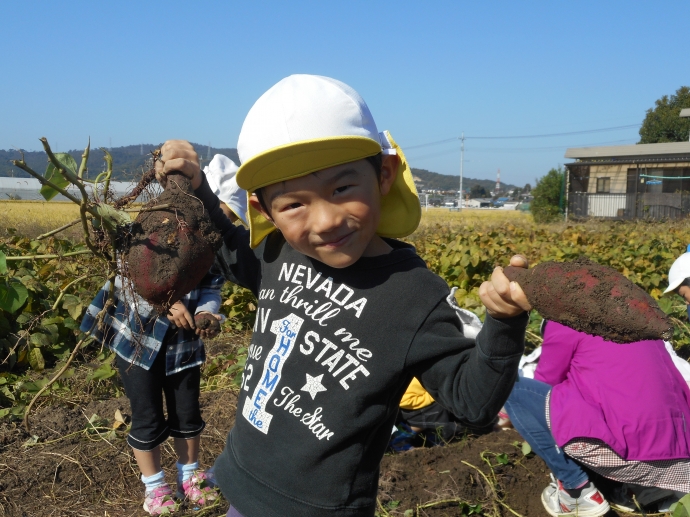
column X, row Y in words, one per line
column 501, row 297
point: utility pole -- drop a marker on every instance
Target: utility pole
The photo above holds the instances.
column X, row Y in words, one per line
column 462, row 160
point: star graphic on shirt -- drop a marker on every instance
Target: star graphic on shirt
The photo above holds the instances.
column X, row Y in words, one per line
column 313, row 385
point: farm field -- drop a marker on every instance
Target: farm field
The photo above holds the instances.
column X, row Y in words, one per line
column 75, row 462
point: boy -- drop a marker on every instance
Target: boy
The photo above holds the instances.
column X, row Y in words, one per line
column 346, row 314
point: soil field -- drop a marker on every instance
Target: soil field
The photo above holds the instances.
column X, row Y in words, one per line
column 69, row 468
column 75, row 464
column 72, row 471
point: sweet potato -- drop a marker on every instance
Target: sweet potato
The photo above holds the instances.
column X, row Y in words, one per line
column 205, row 321
column 170, row 250
column 592, row 298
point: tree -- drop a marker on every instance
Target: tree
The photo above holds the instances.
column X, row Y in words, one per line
column 663, row 124
column 527, row 188
column 477, row 191
column 546, row 205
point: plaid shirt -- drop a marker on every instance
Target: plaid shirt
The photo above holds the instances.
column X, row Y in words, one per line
column 134, row 331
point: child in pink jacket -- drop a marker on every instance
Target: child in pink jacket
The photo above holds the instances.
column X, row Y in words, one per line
column 622, row 410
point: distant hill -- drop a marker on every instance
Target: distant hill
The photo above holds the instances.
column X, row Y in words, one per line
column 435, row 181
column 127, row 161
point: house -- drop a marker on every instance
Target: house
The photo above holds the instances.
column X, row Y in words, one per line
column 478, row 203
column 630, row 181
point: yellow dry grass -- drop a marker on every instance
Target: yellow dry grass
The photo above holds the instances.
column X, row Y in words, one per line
column 469, row 216
column 32, row 218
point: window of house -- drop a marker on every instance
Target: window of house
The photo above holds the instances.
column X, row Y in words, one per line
column 603, row 185
column 654, row 181
column 672, row 183
column 632, row 181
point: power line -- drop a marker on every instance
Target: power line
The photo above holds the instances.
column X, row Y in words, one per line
column 511, row 149
column 520, row 149
column 547, row 135
column 587, row 131
column 454, row 139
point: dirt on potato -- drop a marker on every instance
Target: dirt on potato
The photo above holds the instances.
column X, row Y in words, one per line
column 592, row 298
column 171, row 249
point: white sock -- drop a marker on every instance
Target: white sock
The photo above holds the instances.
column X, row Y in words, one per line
column 184, row 472
column 153, row 481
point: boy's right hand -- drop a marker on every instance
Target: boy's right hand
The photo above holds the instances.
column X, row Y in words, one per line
column 181, row 317
column 178, row 156
column 501, row 297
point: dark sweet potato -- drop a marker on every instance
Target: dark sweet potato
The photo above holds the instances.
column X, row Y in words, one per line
column 170, row 250
column 205, row 321
column 592, row 298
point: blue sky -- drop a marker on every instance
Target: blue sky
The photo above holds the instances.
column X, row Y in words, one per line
column 131, row 72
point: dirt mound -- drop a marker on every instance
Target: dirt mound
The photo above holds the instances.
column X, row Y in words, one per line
column 171, row 249
column 592, row 298
column 442, row 481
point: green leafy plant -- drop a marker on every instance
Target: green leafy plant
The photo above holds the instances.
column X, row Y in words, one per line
column 502, row 458
column 239, row 305
column 471, row 509
column 465, row 255
column 682, row 507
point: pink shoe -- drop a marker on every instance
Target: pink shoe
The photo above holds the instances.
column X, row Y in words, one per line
column 159, row 501
column 200, row 490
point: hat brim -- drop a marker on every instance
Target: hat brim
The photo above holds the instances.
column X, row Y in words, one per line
column 674, row 286
column 400, row 208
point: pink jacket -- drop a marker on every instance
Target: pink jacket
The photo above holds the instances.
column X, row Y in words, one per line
column 630, row 396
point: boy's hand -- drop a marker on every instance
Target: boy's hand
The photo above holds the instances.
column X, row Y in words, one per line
column 181, row 317
column 501, row 297
column 179, row 156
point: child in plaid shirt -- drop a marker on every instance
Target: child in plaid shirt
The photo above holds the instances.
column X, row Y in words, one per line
column 157, row 355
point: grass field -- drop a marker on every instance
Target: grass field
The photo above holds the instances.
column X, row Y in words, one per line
column 32, row 218
column 470, row 216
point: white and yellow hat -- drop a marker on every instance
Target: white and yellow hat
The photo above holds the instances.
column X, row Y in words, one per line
column 307, row 123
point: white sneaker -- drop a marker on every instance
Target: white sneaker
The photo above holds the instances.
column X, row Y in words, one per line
column 558, row 503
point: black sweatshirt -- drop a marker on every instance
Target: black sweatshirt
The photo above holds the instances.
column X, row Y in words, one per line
column 333, row 351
